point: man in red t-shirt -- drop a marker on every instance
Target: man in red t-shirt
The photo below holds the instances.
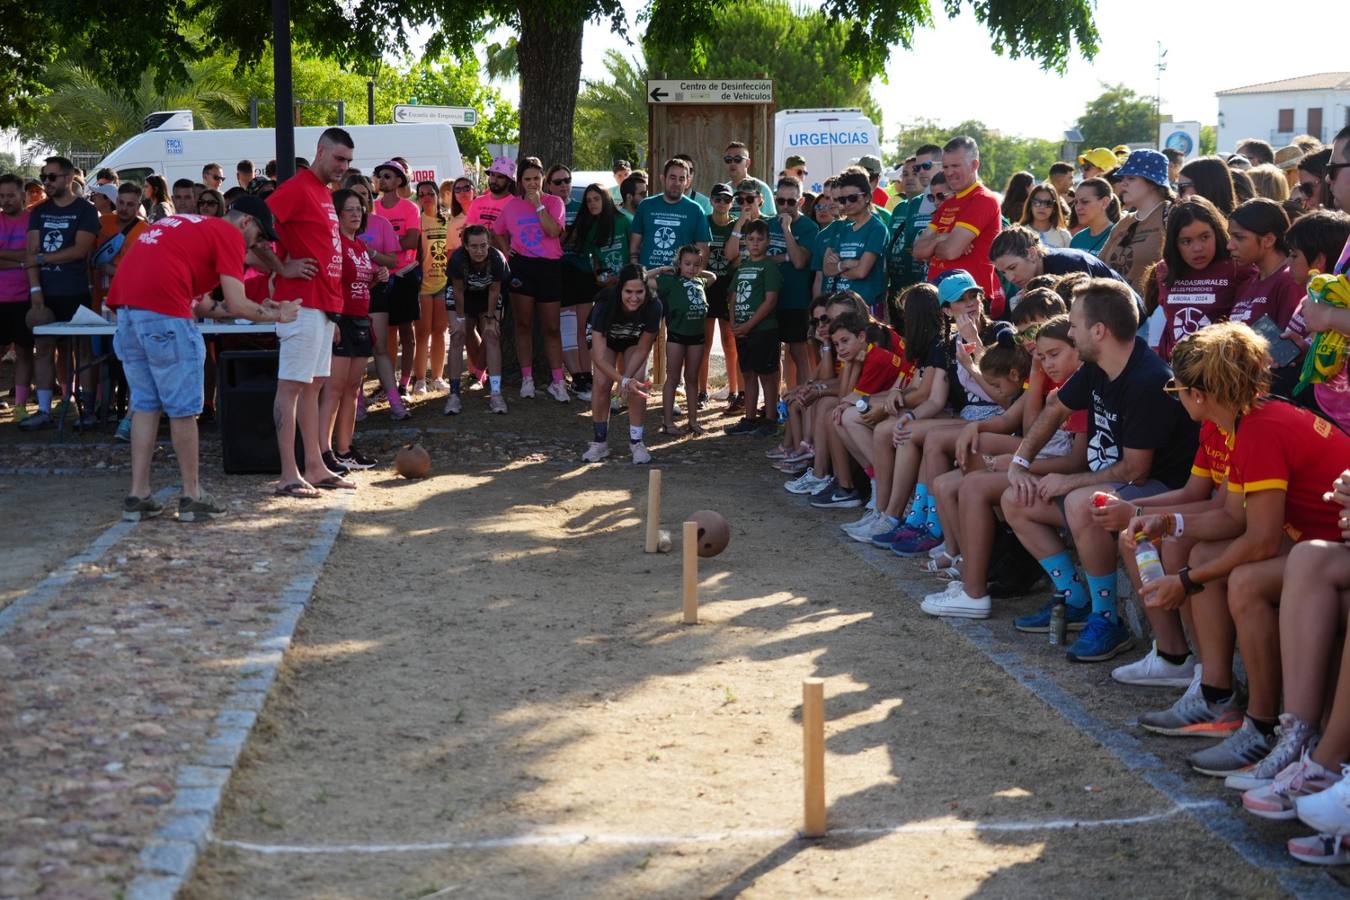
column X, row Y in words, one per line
column 307, row 230
column 965, row 225
column 165, row 278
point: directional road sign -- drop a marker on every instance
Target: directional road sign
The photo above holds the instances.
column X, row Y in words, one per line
column 669, row 91
column 461, row 116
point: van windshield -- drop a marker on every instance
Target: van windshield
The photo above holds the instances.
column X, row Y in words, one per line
column 135, row 176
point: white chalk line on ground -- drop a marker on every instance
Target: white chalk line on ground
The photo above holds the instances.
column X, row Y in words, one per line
column 576, row 838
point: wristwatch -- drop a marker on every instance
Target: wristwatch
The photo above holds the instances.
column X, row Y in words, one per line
column 1187, row 585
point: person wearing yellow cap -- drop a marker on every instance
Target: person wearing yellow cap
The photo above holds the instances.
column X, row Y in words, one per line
column 1122, row 152
column 1097, row 161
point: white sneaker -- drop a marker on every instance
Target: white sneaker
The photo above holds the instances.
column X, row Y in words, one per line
column 955, row 602
column 1328, row 811
column 419, row 387
column 805, row 483
column 595, row 451
column 526, row 388
column 497, row 404
column 558, row 392
column 1154, row 671
column 868, row 519
column 474, row 383
column 641, row 456
column 440, row 384
column 880, row 523
column 453, row 406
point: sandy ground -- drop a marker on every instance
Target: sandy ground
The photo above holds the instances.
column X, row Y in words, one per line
column 489, row 654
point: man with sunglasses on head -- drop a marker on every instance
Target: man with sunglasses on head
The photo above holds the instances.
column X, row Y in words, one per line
column 965, row 225
column 737, row 160
column 910, row 219
column 61, row 234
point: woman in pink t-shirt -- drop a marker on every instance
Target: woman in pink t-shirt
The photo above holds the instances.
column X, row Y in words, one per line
column 406, row 281
column 529, row 229
column 382, row 244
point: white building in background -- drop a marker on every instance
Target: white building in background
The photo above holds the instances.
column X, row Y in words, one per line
column 1276, row 111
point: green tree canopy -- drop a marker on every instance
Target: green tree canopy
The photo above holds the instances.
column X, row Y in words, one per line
column 1000, row 155
column 1118, row 116
column 611, row 114
column 805, row 53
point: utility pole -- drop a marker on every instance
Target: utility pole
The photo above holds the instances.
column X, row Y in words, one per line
column 1161, row 67
column 284, row 98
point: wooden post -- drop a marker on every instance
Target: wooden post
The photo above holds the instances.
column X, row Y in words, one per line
column 813, row 743
column 653, row 509
column 689, row 546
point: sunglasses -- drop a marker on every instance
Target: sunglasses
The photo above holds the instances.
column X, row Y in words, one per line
column 820, row 320
column 734, row 159
column 559, row 182
column 1185, row 187
column 464, row 189
column 938, row 198
column 785, row 201
column 426, row 195
column 208, row 202
column 1330, row 169
column 52, row 176
column 1176, row 387
column 849, row 198
column 1030, row 332
column 721, row 198
column 925, row 166
column 1306, row 188
column 747, row 198
column 1043, row 204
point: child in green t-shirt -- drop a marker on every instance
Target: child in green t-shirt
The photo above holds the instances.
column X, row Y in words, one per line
column 683, row 299
column 754, row 296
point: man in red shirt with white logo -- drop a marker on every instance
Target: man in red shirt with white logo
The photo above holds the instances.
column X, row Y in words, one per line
column 165, row 279
column 307, row 231
column 964, row 226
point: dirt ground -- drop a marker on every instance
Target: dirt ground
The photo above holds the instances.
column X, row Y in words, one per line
column 489, row 655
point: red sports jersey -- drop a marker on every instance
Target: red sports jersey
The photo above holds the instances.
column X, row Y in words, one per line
column 308, row 227
column 175, row 261
column 1281, row 447
column 975, row 209
column 1214, row 454
column 880, row 370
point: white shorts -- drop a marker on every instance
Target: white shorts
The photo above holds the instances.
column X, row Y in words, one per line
column 1060, row 444
column 306, row 347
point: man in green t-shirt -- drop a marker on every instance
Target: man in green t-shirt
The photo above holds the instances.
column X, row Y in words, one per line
column 667, row 221
column 792, row 236
column 755, row 291
column 909, row 220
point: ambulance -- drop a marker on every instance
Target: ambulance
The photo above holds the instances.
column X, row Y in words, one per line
column 174, row 149
column 828, row 139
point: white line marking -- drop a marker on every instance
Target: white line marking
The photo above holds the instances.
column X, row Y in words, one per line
column 576, row 838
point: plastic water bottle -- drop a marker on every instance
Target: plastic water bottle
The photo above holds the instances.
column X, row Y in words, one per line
column 782, row 411
column 1059, row 621
column 1147, row 558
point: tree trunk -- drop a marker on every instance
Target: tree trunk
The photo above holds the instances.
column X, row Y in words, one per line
column 549, row 56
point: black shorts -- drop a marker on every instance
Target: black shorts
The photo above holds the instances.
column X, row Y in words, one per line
column 688, row 340
column 717, row 298
column 540, row 279
column 354, row 337
column 578, row 286
column 792, row 325
column 379, row 296
column 404, row 305
column 64, row 306
column 476, row 304
column 14, row 330
column 758, row 352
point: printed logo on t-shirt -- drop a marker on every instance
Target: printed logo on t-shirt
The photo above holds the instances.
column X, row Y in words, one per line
column 1103, row 450
column 745, row 286
column 1194, row 299
column 664, row 238
column 1188, row 321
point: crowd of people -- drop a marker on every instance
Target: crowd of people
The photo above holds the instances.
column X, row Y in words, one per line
column 1144, row 367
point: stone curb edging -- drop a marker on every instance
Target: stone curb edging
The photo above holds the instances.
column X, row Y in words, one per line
column 167, row 862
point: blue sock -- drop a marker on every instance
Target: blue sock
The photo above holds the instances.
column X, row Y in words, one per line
column 454, row 386
column 495, row 385
column 1062, row 574
column 601, row 432
column 931, row 518
column 918, row 510
column 1103, row 590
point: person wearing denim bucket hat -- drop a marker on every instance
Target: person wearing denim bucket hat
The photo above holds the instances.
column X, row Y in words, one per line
column 1136, row 242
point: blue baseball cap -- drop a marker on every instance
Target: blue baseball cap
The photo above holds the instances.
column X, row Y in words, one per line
column 1147, row 164
column 953, row 284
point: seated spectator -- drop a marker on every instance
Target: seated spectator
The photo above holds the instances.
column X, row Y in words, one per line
column 1044, row 213
column 796, row 451
column 1208, row 177
column 1282, row 459
column 1140, row 443
column 1097, row 210
column 1198, row 280
column 1256, row 238
column 1137, row 240
column 1019, row 256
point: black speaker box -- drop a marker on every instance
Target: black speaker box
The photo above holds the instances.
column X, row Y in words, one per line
column 247, row 385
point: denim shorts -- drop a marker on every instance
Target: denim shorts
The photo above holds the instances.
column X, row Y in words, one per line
column 163, row 357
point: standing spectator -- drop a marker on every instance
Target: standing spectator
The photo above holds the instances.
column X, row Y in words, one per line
column 117, row 233
column 1209, row 177
column 184, row 198
column 14, row 288
column 166, row 271
column 406, row 277
column 668, row 221
column 106, row 176
column 854, row 246
column 1136, row 241
column 1270, row 182
column 1097, row 162
column 104, row 198
column 61, row 234
column 1061, row 178
column 622, row 169
column 1097, row 209
column 872, row 166
column 34, row 193
column 157, row 200
column 1043, row 212
column 795, row 166
column 1311, row 175
column 429, row 329
column 211, row 204
column 530, row 228
column 703, row 201
column 632, row 191
column 1015, row 194
column 720, row 226
column 309, row 243
column 244, row 173
column 737, row 160
column 965, row 225
column 485, row 208
column 1175, row 160
column 910, row 220
column 382, row 244
column 213, row 176
column 1140, row 443
column 1256, row 151
column 599, row 240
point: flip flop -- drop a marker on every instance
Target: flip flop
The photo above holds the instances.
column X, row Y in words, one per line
column 697, row 429
column 675, row 431
column 335, row 483
column 296, row 489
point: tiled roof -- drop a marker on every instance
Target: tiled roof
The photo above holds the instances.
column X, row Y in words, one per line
column 1323, row 81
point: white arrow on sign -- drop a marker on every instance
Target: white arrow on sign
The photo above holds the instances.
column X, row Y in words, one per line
column 460, row 116
column 665, row 91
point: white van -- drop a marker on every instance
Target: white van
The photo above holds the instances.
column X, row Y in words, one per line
column 828, row 139
column 173, row 149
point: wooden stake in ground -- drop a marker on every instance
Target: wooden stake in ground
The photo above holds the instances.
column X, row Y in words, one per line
column 689, row 546
column 653, row 510
column 813, row 768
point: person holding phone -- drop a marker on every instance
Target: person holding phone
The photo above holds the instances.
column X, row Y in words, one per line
column 1267, row 303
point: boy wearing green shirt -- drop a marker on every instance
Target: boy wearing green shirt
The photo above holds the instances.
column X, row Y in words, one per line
column 755, row 291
